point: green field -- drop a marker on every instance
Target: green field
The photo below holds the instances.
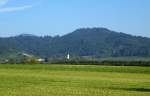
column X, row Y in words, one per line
column 71, row 80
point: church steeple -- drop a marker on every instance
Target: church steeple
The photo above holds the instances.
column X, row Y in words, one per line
column 68, row 56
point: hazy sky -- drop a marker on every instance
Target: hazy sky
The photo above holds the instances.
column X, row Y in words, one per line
column 58, row 17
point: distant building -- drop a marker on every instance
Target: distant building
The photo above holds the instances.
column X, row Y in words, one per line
column 40, row 60
column 26, row 55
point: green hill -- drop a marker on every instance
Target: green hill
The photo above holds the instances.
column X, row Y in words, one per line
column 96, row 42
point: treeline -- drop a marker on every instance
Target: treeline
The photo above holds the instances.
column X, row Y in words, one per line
column 126, row 63
column 78, row 62
column 105, row 62
column 20, row 61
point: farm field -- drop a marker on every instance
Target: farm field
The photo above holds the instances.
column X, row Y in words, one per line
column 73, row 80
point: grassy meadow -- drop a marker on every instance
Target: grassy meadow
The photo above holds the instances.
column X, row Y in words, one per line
column 71, row 80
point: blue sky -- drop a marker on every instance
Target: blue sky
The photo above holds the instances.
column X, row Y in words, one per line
column 58, row 17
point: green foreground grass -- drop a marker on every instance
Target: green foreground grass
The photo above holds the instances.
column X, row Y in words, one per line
column 71, row 80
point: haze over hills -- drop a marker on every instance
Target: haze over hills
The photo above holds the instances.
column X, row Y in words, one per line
column 96, row 42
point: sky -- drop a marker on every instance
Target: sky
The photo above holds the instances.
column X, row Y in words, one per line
column 59, row 17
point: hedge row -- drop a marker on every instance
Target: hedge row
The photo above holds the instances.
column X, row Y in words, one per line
column 106, row 62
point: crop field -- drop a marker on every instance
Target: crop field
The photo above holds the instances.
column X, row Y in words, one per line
column 73, row 80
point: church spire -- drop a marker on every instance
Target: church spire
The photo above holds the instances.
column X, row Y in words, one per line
column 68, row 56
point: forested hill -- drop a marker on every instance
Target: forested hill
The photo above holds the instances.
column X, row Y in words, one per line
column 98, row 42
